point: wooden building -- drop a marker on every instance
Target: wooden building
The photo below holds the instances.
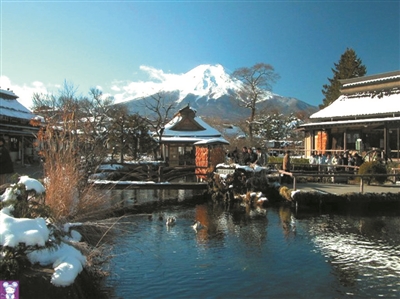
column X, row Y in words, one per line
column 364, row 118
column 15, row 128
column 188, row 140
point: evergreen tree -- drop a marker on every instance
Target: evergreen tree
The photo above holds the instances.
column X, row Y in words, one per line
column 349, row 66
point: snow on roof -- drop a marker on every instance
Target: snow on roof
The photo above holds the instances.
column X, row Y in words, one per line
column 211, row 141
column 208, row 132
column 13, row 108
column 351, row 121
column 194, row 140
column 346, row 106
column 207, row 136
column 8, row 93
column 370, row 79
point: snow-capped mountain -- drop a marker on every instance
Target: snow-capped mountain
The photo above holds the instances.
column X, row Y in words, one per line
column 208, row 89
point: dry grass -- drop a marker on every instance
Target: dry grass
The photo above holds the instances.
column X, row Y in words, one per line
column 67, row 192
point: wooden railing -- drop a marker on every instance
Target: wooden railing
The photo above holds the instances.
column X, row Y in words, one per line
column 363, row 177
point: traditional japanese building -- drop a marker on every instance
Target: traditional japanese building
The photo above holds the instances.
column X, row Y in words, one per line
column 188, row 140
column 364, row 118
column 16, row 129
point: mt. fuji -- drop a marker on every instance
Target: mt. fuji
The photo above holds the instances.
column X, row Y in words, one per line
column 208, row 89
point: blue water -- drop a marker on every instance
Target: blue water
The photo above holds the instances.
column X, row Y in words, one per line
column 255, row 253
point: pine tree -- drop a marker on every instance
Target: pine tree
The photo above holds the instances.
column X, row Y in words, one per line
column 349, row 66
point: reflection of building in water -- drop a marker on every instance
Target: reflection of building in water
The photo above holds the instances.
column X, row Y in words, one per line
column 353, row 253
column 201, row 214
column 128, row 197
column 287, row 220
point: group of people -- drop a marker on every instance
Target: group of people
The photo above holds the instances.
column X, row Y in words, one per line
column 330, row 161
column 248, row 156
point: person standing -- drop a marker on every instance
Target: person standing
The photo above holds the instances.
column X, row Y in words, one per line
column 312, row 160
column 286, row 167
column 245, row 156
column 262, row 158
column 6, row 164
column 252, row 156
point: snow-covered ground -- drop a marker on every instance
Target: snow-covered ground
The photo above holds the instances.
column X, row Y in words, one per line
column 66, row 260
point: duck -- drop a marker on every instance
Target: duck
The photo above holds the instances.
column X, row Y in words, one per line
column 170, row 221
column 197, row 225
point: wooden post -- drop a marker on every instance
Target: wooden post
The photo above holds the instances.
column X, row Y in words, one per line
column 160, row 173
column 312, row 151
column 22, row 150
column 361, row 185
column 385, row 141
column 398, row 143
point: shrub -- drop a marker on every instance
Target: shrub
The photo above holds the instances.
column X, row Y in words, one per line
column 372, row 168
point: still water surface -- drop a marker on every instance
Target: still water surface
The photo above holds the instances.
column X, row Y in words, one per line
column 255, row 253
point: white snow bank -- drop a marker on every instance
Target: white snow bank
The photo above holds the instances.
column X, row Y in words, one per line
column 22, row 230
column 67, row 262
column 31, row 184
column 110, row 167
column 9, row 194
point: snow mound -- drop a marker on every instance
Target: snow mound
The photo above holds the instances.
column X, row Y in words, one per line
column 31, row 184
column 67, row 262
column 22, row 230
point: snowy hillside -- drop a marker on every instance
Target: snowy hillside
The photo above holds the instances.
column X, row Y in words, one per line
column 209, row 89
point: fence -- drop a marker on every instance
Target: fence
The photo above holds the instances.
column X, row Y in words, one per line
column 363, row 177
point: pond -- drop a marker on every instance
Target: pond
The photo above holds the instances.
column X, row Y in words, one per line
column 255, row 253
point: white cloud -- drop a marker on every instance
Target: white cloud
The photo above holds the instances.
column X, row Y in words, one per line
column 159, row 75
column 126, row 90
column 154, row 73
column 115, row 88
column 24, row 92
column 121, row 90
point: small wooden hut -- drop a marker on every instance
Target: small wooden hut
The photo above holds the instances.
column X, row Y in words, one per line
column 187, row 140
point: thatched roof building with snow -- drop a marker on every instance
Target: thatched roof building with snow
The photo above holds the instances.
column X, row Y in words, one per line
column 188, row 140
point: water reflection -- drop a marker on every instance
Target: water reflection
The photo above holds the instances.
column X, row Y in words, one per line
column 288, row 221
column 361, row 250
column 256, row 252
column 128, row 197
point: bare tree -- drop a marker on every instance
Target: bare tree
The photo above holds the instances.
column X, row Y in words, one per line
column 128, row 133
column 160, row 109
column 76, row 123
column 257, row 82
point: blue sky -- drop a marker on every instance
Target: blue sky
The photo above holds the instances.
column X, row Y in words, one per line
column 104, row 43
